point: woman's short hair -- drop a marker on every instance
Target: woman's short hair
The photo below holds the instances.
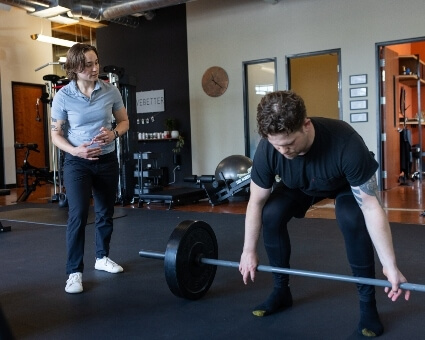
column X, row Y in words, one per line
column 76, row 60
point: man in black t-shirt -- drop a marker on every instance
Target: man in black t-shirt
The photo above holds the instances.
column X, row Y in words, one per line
column 298, row 162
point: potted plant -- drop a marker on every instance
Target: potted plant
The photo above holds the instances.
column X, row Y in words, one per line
column 177, row 149
column 169, row 126
column 174, row 131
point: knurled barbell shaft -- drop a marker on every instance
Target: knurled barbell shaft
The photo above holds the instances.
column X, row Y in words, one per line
column 278, row 270
column 319, row 275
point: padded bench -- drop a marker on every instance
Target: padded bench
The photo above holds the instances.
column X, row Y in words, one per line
column 173, row 197
column 4, row 192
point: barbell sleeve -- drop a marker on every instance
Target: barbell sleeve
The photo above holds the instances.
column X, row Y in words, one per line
column 152, row 254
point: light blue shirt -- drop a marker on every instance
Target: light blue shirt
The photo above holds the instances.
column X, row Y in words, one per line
column 85, row 116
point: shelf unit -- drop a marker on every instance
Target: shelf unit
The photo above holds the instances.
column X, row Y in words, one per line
column 148, row 173
column 157, row 140
column 411, row 62
column 411, row 74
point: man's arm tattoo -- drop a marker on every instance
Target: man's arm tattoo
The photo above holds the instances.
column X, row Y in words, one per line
column 370, row 188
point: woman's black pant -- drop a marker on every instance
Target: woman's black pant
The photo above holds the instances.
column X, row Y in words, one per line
column 284, row 203
column 84, row 178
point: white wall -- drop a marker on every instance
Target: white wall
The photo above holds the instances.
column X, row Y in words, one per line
column 19, row 57
column 226, row 33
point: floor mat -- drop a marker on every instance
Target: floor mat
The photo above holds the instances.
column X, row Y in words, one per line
column 137, row 304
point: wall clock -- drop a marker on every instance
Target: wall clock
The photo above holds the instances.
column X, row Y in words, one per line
column 215, row 81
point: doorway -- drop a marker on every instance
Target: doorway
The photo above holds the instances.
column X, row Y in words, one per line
column 30, row 126
column 260, row 78
column 316, row 77
column 401, row 90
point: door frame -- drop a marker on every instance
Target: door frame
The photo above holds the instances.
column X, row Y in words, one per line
column 45, row 122
column 378, row 47
column 249, row 115
column 337, row 51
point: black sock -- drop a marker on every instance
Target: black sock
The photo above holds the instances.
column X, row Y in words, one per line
column 280, row 298
column 370, row 325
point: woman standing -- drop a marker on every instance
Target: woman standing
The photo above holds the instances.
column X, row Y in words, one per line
column 82, row 116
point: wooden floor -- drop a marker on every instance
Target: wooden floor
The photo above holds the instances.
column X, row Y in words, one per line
column 403, row 204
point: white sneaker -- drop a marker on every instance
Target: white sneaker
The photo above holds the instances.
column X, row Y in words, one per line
column 107, row 265
column 75, row 283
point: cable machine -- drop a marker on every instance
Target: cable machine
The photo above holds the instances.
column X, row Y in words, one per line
column 113, row 74
column 55, row 83
column 127, row 143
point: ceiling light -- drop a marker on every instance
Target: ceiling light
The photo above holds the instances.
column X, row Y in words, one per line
column 51, row 40
column 50, row 12
column 63, row 20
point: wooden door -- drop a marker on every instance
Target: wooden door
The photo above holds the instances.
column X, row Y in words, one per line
column 30, row 125
column 390, row 145
column 315, row 77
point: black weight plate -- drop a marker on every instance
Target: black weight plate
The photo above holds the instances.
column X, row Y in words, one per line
column 186, row 276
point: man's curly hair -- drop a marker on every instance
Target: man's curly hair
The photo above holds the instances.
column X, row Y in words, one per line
column 280, row 112
column 76, row 60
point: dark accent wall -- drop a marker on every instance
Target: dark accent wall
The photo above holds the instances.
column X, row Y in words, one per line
column 154, row 56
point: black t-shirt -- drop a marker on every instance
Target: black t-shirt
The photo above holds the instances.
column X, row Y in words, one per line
column 337, row 159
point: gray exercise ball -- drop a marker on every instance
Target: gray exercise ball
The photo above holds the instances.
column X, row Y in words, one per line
column 232, row 166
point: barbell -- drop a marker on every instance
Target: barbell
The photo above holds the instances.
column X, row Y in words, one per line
column 191, row 260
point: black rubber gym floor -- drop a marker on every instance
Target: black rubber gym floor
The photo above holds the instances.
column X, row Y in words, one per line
column 137, row 304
